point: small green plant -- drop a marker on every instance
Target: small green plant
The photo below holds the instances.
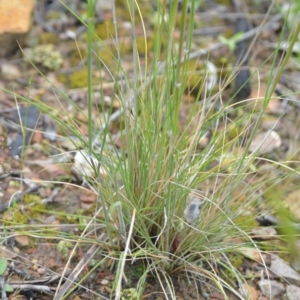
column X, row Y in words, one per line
column 3, row 267
column 232, row 41
column 130, row 294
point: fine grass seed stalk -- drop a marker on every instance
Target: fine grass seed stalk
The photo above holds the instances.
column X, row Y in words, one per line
column 185, row 213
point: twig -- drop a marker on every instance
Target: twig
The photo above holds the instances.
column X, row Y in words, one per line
column 53, row 195
column 78, row 270
column 38, row 288
column 13, row 270
column 10, row 173
column 44, row 280
column 2, row 288
column 123, row 258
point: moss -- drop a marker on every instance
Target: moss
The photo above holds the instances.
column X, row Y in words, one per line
column 224, row 64
column 78, row 79
column 19, row 217
column 66, row 218
column 63, row 78
column 105, row 30
column 228, row 34
column 31, row 207
column 224, row 2
column 48, row 38
column 130, row 294
column 53, row 15
column 234, row 131
column 195, row 78
column 77, row 217
column 246, row 222
column 77, row 55
column 34, row 201
column 194, row 82
column 29, row 199
column 228, row 273
column 144, row 46
column 13, row 216
column 145, row 10
column 236, row 260
column 125, row 48
column 106, row 55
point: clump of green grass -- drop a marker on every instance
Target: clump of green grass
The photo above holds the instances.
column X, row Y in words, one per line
column 144, row 188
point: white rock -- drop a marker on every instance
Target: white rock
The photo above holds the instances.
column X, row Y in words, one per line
column 266, row 142
column 293, row 292
column 282, row 270
column 193, row 208
column 103, row 5
column 85, row 165
column 271, row 288
column 10, row 72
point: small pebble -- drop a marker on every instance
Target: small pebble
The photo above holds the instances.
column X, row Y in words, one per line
column 41, row 271
column 104, row 281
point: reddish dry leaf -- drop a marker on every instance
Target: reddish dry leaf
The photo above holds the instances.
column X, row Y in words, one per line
column 11, row 190
column 217, row 296
column 51, row 262
column 37, row 137
column 4, row 253
column 257, row 97
column 83, row 128
column 250, row 291
column 82, row 116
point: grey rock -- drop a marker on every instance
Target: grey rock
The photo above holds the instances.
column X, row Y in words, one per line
column 293, row 292
column 282, row 270
column 271, row 288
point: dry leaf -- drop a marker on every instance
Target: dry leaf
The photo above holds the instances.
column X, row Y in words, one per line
column 6, row 253
column 250, row 292
column 251, row 253
column 264, row 233
column 257, row 97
